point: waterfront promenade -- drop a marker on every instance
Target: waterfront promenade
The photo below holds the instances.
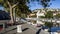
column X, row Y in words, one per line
column 25, row 29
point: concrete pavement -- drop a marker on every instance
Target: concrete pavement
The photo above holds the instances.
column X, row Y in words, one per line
column 43, row 32
column 25, row 29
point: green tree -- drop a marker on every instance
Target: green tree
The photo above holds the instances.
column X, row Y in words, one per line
column 45, row 3
column 57, row 16
column 49, row 14
column 49, row 25
column 11, row 4
column 22, row 10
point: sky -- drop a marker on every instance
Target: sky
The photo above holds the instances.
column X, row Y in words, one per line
column 1, row 7
column 55, row 4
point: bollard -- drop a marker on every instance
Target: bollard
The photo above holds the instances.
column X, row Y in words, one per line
column 19, row 29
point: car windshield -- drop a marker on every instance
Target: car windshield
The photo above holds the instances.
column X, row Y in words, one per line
column 4, row 15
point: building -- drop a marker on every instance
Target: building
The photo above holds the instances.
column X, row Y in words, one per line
column 41, row 12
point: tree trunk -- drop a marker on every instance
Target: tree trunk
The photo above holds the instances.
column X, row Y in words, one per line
column 11, row 11
column 14, row 14
column 11, row 15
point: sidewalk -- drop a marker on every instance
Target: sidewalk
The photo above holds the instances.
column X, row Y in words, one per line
column 43, row 32
column 25, row 29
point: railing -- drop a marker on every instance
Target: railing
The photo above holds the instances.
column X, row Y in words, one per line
column 45, row 20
